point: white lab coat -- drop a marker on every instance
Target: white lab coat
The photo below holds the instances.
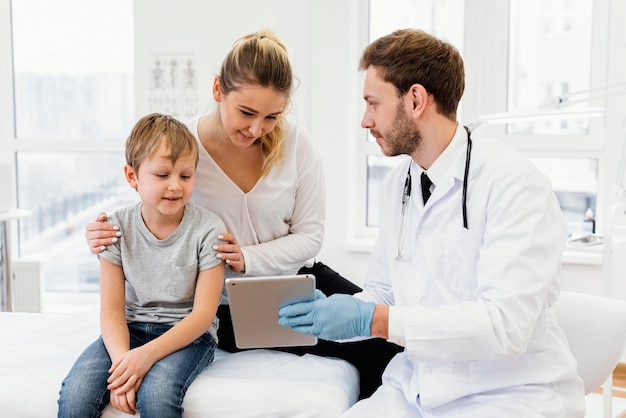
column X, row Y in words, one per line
column 478, row 322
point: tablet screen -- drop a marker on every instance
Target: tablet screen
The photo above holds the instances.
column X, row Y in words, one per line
column 254, row 304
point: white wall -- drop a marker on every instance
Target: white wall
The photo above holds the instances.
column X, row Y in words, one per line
column 7, row 124
column 336, row 86
column 324, row 48
column 208, row 30
column 6, row 84
column 325, row 39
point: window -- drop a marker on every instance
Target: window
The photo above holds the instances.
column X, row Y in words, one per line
column 74, row 107
column 76, row 186
column 575, row 184
column 72, row 69
column 549, row 56
column 554, row 48
column 443, row 18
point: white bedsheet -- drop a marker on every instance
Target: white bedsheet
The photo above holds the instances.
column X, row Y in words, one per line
column 37, row 351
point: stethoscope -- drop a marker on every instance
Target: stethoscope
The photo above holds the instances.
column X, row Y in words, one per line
column 406, row 193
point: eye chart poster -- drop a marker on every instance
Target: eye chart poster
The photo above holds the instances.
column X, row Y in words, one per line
column 173, row 85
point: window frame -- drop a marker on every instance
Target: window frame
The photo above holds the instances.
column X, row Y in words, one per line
column 25, row 143
column 486, row 52
column 11, row 145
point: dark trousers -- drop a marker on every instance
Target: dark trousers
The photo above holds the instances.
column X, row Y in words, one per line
column 370, row 357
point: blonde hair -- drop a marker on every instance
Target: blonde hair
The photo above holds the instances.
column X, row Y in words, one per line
column 260, row 58
column 148, row 133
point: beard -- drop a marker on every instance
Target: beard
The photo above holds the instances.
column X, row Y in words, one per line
column 403, row 137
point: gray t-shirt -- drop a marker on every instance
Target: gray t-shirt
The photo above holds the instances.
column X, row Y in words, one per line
column 161, row 274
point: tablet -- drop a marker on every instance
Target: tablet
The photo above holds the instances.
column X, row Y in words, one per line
column 254, row 304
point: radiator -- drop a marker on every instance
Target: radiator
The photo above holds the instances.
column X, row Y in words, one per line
column 26, row 286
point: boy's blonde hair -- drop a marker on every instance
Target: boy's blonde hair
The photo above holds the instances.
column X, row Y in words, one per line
column 150, row 131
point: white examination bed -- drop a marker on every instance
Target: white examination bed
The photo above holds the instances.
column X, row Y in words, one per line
column 37, row 351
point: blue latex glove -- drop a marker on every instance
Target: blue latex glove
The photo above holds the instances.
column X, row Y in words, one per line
column 336, row 317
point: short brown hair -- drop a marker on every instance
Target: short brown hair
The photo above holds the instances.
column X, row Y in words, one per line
column 412, row 56
column 150, row 131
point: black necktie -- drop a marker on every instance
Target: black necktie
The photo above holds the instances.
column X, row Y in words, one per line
column 426, row 183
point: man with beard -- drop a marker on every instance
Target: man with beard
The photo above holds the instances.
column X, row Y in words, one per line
column 464, row 274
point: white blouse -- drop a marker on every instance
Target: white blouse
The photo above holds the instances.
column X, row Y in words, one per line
column 279, row 224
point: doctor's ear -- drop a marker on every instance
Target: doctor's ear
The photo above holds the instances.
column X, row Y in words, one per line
column 418, row 97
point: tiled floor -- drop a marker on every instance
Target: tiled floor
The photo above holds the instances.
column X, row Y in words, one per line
column 595, row 400
column 595, row 406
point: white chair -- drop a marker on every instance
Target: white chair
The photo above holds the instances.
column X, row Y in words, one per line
column 595, row 327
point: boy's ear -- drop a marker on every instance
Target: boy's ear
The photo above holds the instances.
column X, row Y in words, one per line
column 131, row 176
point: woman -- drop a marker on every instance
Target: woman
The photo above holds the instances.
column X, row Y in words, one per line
column 262, row 175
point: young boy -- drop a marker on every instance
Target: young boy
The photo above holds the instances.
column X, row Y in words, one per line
column 159, row 287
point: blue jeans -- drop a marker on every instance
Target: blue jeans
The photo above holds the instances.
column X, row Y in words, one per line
column 84, row 391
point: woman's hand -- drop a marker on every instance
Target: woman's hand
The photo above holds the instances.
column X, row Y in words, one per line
column 230, row 253
column 99, row 234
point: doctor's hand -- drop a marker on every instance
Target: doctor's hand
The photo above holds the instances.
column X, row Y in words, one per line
column 337, row 317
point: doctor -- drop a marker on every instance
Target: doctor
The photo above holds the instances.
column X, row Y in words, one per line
column 465, row 269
